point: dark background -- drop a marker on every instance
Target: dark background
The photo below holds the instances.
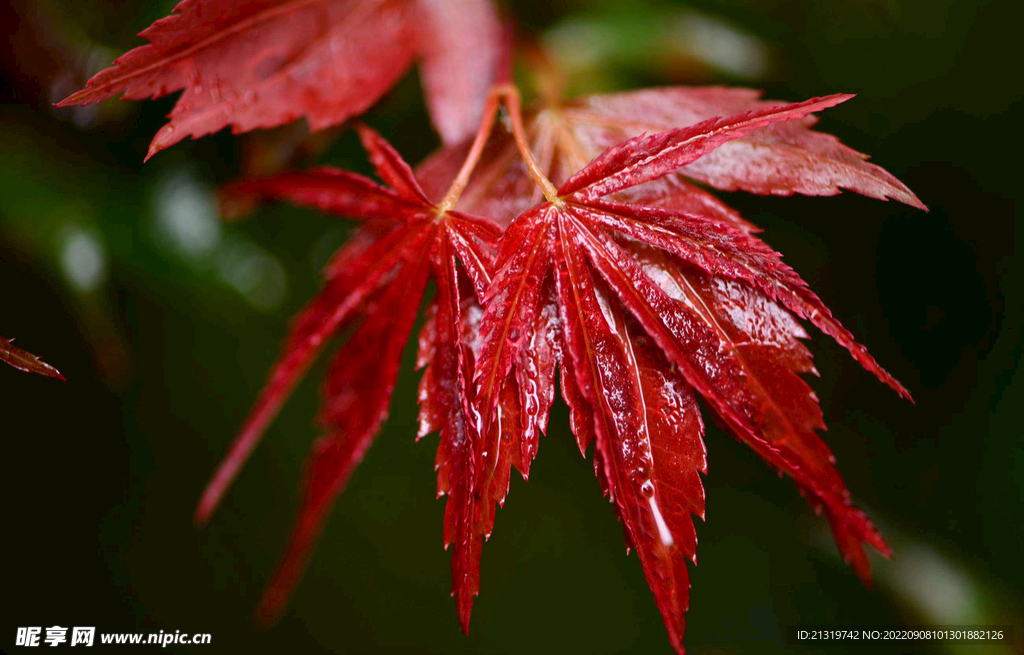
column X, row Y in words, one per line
column 164, row 322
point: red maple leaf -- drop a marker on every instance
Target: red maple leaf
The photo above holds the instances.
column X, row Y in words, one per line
column 651, row 304
column 375, row 285
column 261, row 63
column 25, row 361
column 639, row 287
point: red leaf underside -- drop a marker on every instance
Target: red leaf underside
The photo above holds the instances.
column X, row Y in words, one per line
column 262, row 63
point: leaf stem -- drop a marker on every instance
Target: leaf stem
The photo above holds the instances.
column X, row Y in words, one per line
column 510, row 95
column 476, row 150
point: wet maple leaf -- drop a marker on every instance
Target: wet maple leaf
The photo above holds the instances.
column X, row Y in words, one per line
column 641, row 289
column 25, row 361
column 261, row 63
column 375, row 286
column 650, row 305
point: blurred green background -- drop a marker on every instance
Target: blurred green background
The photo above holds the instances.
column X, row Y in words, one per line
column 165, row 319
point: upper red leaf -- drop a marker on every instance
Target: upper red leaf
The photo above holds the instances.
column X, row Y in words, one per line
column 261, row 63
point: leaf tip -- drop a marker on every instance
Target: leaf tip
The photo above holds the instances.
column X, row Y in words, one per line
column 269, row 609
column 367, row 135
column 464, row 601
column 51, row 372
column 214, row 492
column 153, row 149
column 72, row 100
column 203, row 511
column 26, row 361
column 677, row 644
column 916, row 202
column 900, row 390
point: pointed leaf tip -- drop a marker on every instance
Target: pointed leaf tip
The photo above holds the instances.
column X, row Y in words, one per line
column 26, row 361
column 465, row 611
